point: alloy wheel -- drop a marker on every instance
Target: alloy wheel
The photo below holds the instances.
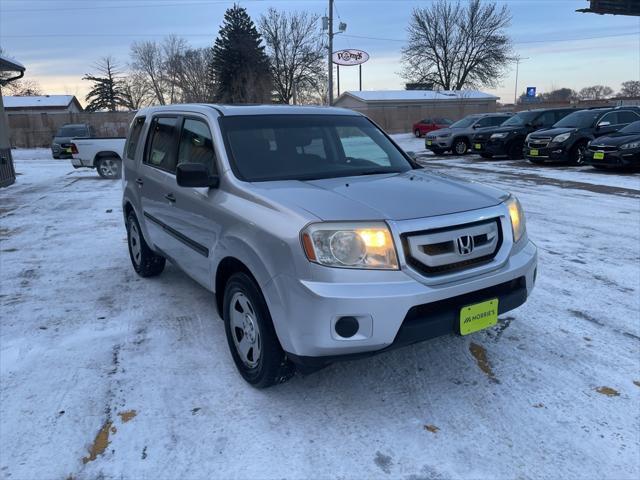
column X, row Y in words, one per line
column 244, row 330
column 109, row 168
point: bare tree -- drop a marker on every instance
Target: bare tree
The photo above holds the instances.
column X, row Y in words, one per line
column 147, row 59
column 294, row 46
column 136, row 91
column 173, row 49
column 455, row 46
column 595, row 92
column 630, row 88
column 192, row 75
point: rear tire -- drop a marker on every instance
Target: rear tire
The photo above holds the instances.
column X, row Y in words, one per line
column 417, row 133
column 460, row 146
column 145, row 261
column 437, row 151
column 252, row 340
column 109, row 167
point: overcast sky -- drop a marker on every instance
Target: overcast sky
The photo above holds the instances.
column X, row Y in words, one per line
column 58, row 40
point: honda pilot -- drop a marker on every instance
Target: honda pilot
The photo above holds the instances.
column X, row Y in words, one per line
column 320, row 238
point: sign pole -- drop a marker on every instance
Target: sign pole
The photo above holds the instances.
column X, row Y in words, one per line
column 330, row 53
column 360, row 75
column 338, row 71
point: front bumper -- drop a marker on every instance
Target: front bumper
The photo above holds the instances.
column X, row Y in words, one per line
column 496, row 147
column 616, row 158
column 391, row 313
column 438, row 143
column 551, row 153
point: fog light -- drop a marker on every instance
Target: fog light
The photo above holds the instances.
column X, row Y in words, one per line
column 347, row 327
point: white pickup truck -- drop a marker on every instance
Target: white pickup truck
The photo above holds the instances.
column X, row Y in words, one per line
column 103, row 154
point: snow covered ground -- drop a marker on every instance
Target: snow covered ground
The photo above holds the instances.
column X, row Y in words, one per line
column 106, row 375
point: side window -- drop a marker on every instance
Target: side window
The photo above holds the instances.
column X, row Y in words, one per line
column 611, row 117
column 483, row 122
column 546, row 119
column 161, row 151
column 627, row 116
column 495, row 121
column 357, row 145
column 196, row 144
column 134, row 137
column 560, row 114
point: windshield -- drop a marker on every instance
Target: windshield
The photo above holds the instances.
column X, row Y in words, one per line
column 520, row 119
column 72, row 132
column 307, row 147
column 464, row 123
column 582, row 119
column 631, row 128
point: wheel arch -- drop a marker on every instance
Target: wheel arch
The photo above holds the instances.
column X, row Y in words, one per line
column 226, row 268
column 105, row 154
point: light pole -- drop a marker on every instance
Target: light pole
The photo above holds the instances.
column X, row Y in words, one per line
column 330, row 53
column 515, row 93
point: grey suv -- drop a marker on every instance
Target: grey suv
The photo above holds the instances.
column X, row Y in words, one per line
column 319, row 236
column 457, row 137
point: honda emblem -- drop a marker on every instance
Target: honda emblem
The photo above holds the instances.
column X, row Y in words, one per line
column 465, row 244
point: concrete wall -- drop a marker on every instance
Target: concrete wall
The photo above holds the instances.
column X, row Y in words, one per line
column 400, row 117
column 30, row 130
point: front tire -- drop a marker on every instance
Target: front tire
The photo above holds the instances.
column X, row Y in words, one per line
column 109, row 168
column 252, row 340
column 145, row 261
column 576, row 155
column 417, row 133
column 515, row 150
column 460, row 146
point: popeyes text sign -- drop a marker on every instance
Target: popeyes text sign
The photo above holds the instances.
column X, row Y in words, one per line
column 350, row 57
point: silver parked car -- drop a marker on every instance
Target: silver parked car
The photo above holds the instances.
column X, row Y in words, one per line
column 319, row 236
column 457, row 137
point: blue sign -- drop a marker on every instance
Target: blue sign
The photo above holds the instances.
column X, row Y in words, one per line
column 531, row 92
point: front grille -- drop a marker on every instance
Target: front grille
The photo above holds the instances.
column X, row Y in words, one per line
column 538, row 142
column 437, row 251
column 602, row 148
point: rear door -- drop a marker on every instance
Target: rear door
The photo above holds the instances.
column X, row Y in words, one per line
column 157, row 179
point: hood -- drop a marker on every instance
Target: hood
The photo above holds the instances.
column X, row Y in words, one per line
column 398, row 196
column 616, row 139
column 514, row 128
column 552, row 132
column 439, row 132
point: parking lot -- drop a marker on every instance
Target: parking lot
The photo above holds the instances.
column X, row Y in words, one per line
column 108, row 375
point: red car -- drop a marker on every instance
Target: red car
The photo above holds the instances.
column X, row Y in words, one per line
column 430, row 124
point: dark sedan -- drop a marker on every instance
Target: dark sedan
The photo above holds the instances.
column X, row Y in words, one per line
column 619, row 149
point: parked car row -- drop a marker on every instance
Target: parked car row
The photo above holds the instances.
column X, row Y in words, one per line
column 601, row 137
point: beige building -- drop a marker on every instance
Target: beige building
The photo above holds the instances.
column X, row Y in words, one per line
column 397, row 110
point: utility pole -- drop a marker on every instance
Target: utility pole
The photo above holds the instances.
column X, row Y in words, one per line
column 330, row 53
column 515, row 94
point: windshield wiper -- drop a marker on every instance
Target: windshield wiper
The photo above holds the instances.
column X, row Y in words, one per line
column 375, row 172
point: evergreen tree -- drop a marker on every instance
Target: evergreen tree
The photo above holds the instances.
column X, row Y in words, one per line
column 107, row 92
column 240, row 67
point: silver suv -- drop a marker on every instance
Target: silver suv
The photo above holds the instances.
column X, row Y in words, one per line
column 457, row 137
column 319, row 236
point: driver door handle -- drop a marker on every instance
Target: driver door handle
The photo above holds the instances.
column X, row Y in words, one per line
column 139, row 181
column 170, row 197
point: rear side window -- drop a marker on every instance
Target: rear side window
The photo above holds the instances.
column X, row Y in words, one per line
column 134, row 137
column 611, row 117
column 495, row 121
column 626, row 116
column 196, row 144
column 546, row 119
column 162, row 144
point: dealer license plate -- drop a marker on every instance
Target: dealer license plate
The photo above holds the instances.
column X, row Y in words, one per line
column 477, row 146
column 478, row 316
column 428, row 142
column 598, row 155
column 533, row 153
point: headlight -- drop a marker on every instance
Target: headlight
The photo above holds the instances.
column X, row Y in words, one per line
column 350, row 245
column 630, row 145
column 517, row 218
column 563, row 137
column 526, row 139
column 499, row 135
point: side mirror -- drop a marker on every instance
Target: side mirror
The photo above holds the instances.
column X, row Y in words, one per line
column 475, row 125
column 196, row 175
column 604, row 124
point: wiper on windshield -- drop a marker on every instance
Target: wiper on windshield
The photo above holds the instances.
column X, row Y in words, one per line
column 374, row 172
